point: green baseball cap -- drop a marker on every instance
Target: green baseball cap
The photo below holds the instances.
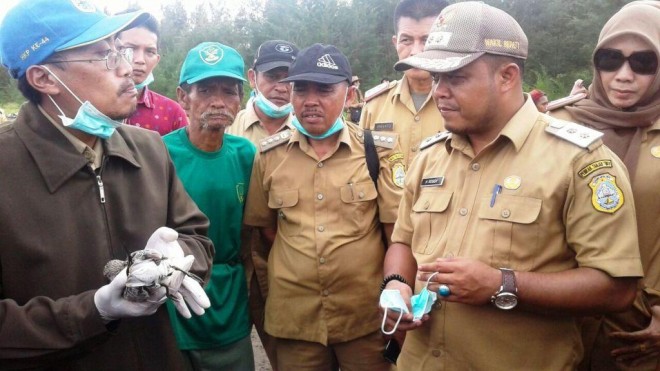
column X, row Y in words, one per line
column 210, row 59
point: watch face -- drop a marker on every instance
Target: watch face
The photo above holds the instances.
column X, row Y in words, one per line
column 506, row 301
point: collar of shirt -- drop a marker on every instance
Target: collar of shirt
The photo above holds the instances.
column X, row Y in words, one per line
column 252, row 118
column 146, row 99
column 517, row 129
column 402, row 93
column 93, row 155
column 303, row 143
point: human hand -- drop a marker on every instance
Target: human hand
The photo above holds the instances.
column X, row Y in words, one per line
column 183, row 288
column 402, row 320
column 112, row 305
column 469, row 281
column 643, row 344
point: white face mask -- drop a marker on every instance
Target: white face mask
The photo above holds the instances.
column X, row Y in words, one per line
column 269, row 108
column 392, row 299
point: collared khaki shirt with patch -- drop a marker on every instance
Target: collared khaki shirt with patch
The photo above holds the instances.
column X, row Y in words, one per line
column 325, row 266
column 248, row 125
column 395, row 111
column 529, row 202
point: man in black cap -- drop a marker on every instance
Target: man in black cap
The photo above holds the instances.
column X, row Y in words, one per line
column 314, row 201
column 266, row 113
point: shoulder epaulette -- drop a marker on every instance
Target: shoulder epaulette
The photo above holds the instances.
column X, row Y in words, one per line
column 439, row 137
column 378, row 90
column 275, row 140
column 565, row 101
column 577, row 134
column 387, row 140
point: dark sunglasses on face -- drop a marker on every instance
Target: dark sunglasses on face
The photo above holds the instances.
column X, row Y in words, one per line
column 643, row 63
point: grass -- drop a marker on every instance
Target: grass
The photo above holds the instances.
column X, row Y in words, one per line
column 10, row 107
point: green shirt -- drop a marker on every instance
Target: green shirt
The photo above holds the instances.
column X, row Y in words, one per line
column 217, row 182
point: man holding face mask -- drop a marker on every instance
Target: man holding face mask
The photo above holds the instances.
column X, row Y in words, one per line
column 82, row 189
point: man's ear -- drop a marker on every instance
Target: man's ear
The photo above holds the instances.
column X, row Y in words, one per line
column 182, row 97
column 252, row 78
column 394, row 40
column 42, row 80
column 350, row 95
column 509, row 76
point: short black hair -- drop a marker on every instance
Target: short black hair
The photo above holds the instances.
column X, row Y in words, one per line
column 417, row 10
column 495, row 61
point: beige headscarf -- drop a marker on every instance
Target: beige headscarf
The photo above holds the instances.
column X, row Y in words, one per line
column 622, row 126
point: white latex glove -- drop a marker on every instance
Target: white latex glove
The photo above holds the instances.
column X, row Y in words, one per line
column 111, row 304
column 164, row 240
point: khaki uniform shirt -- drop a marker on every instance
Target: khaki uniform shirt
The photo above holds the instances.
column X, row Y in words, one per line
column 557, row 206
column 253, row 251
column 248, row 125
column 394, row 111
column 326, row 263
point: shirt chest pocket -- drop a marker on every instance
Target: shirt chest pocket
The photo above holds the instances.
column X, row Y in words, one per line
column 429, row 218
column 358, row 207
column 509, row 230
column 289, row 220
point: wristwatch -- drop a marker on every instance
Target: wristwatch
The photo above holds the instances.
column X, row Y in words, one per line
column 505, row 298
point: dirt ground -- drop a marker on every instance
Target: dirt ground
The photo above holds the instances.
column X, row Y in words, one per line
column 260, row 360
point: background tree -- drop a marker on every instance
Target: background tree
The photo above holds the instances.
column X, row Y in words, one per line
column 562, row 35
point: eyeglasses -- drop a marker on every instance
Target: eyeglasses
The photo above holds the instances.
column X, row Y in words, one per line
column 643, row 63
column 112, row 59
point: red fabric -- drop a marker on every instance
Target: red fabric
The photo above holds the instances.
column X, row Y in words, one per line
column 158, row 113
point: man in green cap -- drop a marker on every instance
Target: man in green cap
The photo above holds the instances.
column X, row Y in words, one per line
column 215, row 168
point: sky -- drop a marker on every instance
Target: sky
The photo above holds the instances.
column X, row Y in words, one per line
column 113, row 6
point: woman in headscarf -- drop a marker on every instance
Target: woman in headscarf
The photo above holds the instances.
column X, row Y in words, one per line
column 624, row 104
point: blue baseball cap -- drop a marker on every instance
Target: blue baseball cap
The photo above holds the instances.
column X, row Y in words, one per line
column 210, row 59
column 33, row 30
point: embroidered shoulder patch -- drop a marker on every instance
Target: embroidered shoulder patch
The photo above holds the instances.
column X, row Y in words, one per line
column 600, row 164
column 399, row 174
column 606, row 196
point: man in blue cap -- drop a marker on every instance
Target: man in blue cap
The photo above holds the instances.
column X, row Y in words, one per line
column 215, row 169
column 314, row 199
column 84, row 189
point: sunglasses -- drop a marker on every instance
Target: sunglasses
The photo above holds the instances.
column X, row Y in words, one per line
column 643, row 63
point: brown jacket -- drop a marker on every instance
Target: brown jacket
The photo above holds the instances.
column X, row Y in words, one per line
column 56, row 235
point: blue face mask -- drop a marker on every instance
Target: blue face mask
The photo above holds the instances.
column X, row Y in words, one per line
column 88, row 119
column 269, row 108
column 423, row 302
column 338, row 125
column 146, row 82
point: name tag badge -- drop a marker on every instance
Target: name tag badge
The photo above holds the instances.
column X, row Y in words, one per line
column 433, row 182
column 384, row 126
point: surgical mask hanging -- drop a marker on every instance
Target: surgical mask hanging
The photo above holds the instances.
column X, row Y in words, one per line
column 269, row 108
column 337, row 126
column 147, row 81
column 88, row 119
column 392, row 299
column 423, row 302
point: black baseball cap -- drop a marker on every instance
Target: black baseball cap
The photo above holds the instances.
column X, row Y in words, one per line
column 273, row 54
column 323, row 64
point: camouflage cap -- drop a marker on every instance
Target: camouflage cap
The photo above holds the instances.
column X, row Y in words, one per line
column 465, row 31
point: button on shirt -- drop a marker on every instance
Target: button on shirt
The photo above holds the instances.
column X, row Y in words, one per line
column 325, row 266
column 546, row 223
column 397, row 107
